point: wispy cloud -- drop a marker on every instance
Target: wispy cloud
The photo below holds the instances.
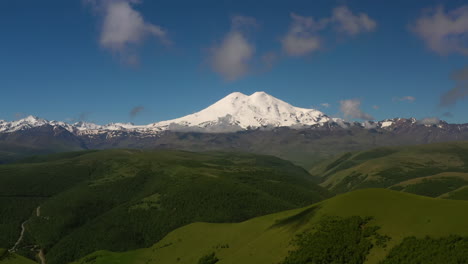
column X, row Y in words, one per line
column 350, row 23
column 82, row 117
column 405, row 98
column 352, row 108
column 19, row 115
column 429, row 121
column 231, row 58
column 269, row 59
column 136, row 110
column 448, row 114
column 241, row 23
column 325, row 105
column 376, row 107
column 459, row 92
column 303, row 36
column 123, row 28
column 443, row 31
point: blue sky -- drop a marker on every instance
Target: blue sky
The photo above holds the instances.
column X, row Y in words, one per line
column 96, row 60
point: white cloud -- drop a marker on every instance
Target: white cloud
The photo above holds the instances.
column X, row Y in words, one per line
column 302, row 37
column 326, row 105
column 405, row 98
column 123, row 28
column 429, row 121
column 369, row 124
column 376, row 107
column 444, row 32
column 352, row 24
column 232, row 56
column 239, row 23
column 351, row 108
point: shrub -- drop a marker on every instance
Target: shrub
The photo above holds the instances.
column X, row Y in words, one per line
column 208, row 259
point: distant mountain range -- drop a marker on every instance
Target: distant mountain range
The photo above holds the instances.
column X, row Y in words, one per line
column 258, row 123
column 235, row 112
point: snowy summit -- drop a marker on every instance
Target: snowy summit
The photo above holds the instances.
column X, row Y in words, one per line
column 239, row 110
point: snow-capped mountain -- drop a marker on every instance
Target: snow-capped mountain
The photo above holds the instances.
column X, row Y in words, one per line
column 30, row 122
column 33, row 121
column 235, row 112
column 257, row 110
column 258, row 123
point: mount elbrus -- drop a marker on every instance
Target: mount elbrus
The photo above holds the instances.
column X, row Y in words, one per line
column 258, row 123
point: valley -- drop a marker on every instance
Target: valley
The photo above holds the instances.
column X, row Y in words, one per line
column 100, row 194
column 166, row 206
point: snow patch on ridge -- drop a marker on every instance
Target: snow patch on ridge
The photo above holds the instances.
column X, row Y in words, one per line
column 386, row 124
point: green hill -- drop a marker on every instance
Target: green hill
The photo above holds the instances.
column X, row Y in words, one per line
column 267, row 239
column 431, row 170
column 439, row 185
column 77, row 203
column 8, row 258
column 458, row 194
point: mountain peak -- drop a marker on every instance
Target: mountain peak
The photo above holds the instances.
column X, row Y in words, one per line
column 262, row 96
column 240, row 95
column 260, row 93
column 257, row 110
column 30, row 119
column 235, row 94
column 25, row 123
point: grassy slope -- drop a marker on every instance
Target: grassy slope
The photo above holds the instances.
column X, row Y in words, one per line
column 438, row 185
column 386, row 167
column 7, row 258
column 458, row 194
column 459, row 175
column 263, row 241
column 125, row 199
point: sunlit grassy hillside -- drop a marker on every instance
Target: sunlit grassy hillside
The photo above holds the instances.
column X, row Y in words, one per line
column 266, row 240
column 432, row 170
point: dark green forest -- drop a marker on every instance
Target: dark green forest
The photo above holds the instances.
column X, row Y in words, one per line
column 448, row 250
column 128, row 199
column 336, row 240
